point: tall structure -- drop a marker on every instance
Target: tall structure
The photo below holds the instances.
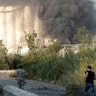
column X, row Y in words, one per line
column 16, row 17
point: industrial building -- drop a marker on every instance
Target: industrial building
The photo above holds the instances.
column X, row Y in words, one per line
column 16, row 18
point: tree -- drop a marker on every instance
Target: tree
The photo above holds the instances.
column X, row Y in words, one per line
column 82, row 36
column 3, row 55
column 84, row 39
column 30, row 38
column 55, row 47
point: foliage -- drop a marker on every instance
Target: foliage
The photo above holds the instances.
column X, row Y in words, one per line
column 71, row 63
column 31, row 62
column 13, row 60
column 51, row 69
column 55, row 47
column 74, row 89
column 39, row 60
column 16, row 61
column 30, row 37
column 3, row 55
column 13, row 75
column 68, row 70
column 9, row 59
column 82, row 36
column 49, row 65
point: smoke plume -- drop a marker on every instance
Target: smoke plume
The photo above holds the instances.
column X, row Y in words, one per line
column 61, row 18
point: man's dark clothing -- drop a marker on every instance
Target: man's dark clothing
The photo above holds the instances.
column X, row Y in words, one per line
column 89, row 83
column 90, row 77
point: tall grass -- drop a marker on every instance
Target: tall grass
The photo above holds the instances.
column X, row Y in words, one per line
column 68, row 70
column 55, row 67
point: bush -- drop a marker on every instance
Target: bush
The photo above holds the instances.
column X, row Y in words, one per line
column 3, row 55
column 13, row 75
column 50, row 66
column 74, row 89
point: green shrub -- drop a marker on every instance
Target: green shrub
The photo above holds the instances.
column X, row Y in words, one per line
column 74, row 89
column 50, row 66
column 13, row 75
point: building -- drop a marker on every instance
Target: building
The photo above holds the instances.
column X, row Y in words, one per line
column 16, row 18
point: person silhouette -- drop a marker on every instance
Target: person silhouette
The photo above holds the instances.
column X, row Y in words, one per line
column 21, row 73
column 89, row 81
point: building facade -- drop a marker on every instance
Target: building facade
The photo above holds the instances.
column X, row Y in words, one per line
column 16, row 18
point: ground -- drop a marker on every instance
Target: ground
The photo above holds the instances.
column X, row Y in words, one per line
column 37, row 87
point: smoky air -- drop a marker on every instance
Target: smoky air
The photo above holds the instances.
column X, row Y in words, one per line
column 51, row 20
column 61, row 18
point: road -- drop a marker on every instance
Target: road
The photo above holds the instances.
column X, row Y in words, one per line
column 46, row 92
column 39, row 88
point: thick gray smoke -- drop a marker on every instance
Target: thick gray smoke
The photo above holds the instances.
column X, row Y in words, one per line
column 61, row 18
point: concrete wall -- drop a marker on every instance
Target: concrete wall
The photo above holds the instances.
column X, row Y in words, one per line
column 14, row 91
